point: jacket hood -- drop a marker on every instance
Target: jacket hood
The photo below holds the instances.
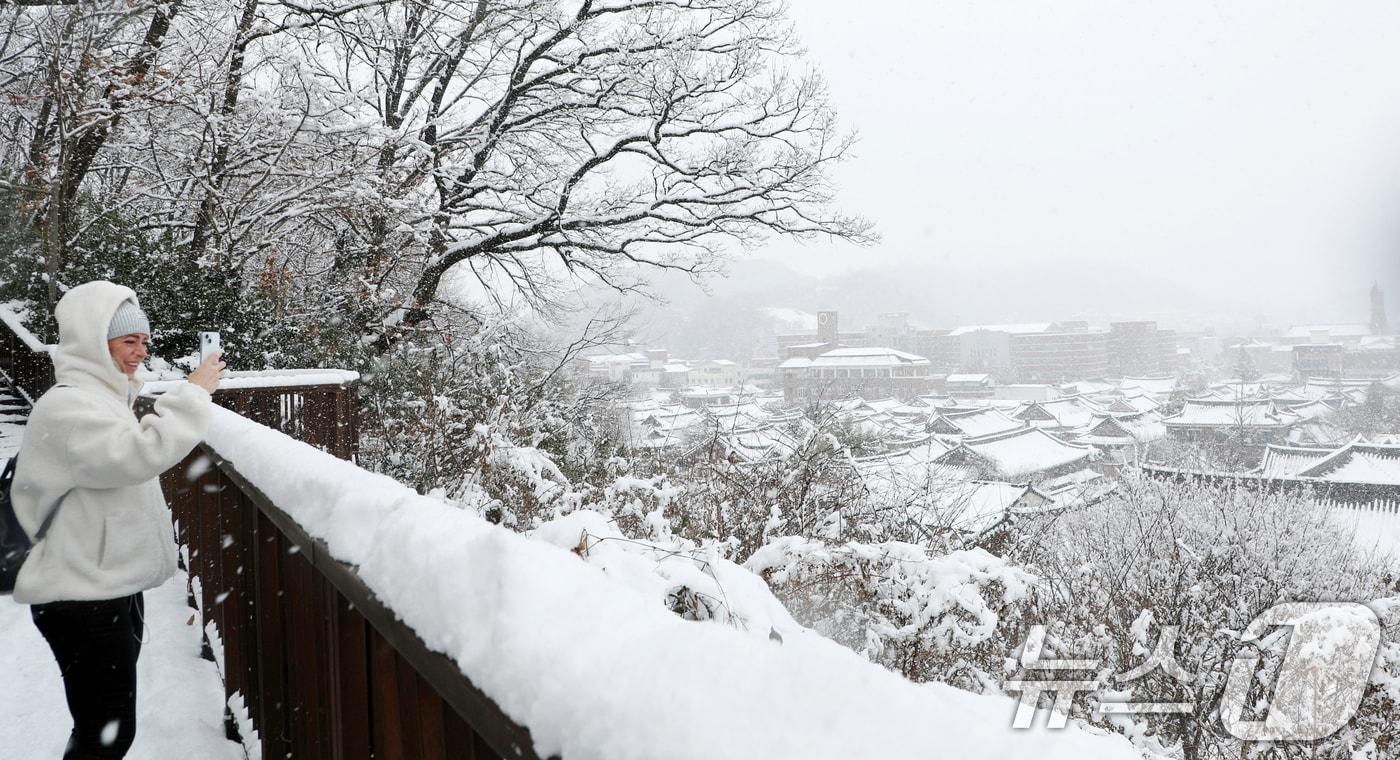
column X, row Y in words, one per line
column 82, row 359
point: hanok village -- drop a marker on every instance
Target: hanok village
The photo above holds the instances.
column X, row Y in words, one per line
column 1012, row 419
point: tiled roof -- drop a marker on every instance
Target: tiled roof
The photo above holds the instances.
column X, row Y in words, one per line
column 978, row 422
column 1221, row 413
column 1288, row 461
column 868, row 357
column 1023, row 453
column 1358, row 463
column 1071, row 412
column 1160, row 385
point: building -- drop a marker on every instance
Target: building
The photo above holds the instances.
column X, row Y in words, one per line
column 1247, row 423
column 715, row 373
column 847, row 372
column 827, row 337
column 1026, row 392
column 1023, row 455
column 1319, row 360
column 970, row 385
column 1035, row 352
column 1140, row 348
column 1070, row 352
column 1380, row 324
column 1346, row 334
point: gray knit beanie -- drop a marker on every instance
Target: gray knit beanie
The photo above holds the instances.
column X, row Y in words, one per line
column 128, row 319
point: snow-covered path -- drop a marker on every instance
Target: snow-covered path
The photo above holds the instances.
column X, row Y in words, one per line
column 179, row 695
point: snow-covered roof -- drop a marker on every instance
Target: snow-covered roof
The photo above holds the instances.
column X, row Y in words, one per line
column 868, row 357
column 1223, row 413
column 1015, row 329
column 974, row 423
column 606, row 359
column 1377, row 343
column 760, row 444
column 1358, row 463
column 1124, row 429
column 1288, row 461
column 975, row 505
column 700, row 391
column 1305, row 332
column 1087, row 387
column 1160, row 384
column 796, row 362
column 1071, row 412
column 1317, row 432
column 271, row 378
column 1023, row 453
column 968, row 378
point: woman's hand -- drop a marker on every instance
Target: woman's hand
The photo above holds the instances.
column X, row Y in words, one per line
column 207, row 376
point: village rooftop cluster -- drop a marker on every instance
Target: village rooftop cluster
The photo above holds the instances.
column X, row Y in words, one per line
column 1004, row 419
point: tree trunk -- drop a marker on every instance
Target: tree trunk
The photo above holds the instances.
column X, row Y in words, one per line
column 218, row 162
column 95, row 135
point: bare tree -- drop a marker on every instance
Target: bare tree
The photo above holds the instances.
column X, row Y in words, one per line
column 530, row 141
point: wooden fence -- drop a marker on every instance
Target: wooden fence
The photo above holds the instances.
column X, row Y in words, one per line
column 324, row 669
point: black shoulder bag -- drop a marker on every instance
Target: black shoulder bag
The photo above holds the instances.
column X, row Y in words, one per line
column 14, row 542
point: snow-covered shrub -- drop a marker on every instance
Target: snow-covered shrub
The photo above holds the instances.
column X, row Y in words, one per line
column 694, row 582
column 930, row 617
column 478, row 408
column 1208, row 561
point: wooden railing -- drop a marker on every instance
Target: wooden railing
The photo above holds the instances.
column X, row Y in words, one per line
column 320, row 666
column 24, row 358
column 324, row 669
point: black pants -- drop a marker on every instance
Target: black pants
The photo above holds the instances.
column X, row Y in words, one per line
column 96, row 645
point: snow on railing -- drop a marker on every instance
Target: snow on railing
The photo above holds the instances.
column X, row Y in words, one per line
column 233, row 380
column 586, row 659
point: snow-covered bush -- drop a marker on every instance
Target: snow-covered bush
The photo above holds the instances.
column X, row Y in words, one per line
column 481, row 409
column 930, row 617
column 1207, row 561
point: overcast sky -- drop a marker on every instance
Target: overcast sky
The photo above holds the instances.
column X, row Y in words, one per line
column 1249, row 150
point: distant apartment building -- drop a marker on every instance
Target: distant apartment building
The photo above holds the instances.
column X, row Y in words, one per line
column 870, row 372
column 1136, row 349
column 715, row 373
column 1037, row 352
column 1319, row 360
column 762, row 371
column 1056, row 357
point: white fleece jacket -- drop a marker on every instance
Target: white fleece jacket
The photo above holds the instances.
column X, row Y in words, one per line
column 112, row 536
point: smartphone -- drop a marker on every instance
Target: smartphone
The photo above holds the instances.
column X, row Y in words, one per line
column 209, row 343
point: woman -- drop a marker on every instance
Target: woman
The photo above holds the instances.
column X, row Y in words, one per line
column 86, row 455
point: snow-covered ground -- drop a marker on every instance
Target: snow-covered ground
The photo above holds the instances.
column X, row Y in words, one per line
column 10, row 435
column 179, row 698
